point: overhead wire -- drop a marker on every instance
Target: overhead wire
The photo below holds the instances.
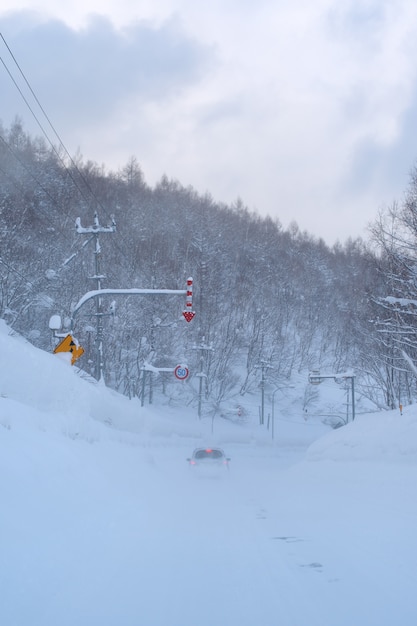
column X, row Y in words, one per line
column 32, row 175
column 82, row 177
column 17, row 185
column 12, row 269
column 25, row 278
column 40, row 126
column 39, row 123
column 40, row 209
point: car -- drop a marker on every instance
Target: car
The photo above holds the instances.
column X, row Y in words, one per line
column 208, row 458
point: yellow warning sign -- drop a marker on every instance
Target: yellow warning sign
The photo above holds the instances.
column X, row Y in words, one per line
column 69, row 345
column 65, row 345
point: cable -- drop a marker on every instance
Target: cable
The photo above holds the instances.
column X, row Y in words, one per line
column 25, row 278
column 36, row 99
column 120, row 250
column 46, row 191
column 20, row 187
column 44, row 131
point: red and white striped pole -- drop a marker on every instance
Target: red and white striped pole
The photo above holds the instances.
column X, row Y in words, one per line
column 189, row 313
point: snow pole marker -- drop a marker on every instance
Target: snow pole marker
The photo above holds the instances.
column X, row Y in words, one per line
column 189, row 313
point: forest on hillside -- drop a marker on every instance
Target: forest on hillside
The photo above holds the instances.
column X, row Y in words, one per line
column 270, row 303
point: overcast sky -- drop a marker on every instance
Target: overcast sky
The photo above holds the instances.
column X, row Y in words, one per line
column 304, row 109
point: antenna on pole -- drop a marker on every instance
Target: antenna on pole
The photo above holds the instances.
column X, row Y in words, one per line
column 95, row 230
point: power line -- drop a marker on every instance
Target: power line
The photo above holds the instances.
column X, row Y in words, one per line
column 80, row 174
column 25, row 278
column 20, row 187
column 44, row 189
column 36, row 98
column 40, row 125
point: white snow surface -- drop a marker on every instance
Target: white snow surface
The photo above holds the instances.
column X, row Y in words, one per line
column 103, row 523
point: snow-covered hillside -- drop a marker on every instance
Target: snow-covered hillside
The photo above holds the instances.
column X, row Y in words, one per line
column 103, row 523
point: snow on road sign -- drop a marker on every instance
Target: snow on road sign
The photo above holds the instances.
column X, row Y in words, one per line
column 68, row 344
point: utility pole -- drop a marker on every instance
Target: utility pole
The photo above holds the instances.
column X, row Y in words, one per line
column 55, row 323
column 202, row 347
column 263, row 365
column 95, row 231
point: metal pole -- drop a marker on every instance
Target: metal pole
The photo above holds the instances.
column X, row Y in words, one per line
column 99, row 337
column 142, row 400
column 273, row 413
column 262, row 394
column 200, row 386
column 353, row 398
column 95, row 230
column 203, row 348
column 262, row 366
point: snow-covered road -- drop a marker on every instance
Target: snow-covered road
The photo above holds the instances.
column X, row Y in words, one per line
column 103, row 524
column 113, row 533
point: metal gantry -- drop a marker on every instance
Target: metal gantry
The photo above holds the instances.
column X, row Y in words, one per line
column 315, row 378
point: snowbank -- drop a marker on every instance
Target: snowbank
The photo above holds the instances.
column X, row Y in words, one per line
column 379, row 437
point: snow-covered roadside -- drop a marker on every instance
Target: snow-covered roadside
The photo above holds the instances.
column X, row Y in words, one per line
column 103, row 523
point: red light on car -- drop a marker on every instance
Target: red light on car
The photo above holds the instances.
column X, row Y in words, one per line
column 192, row 462
column 209, row 450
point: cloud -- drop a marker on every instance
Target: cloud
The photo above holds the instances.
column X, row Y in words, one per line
column 83, row 75
column 303, row 109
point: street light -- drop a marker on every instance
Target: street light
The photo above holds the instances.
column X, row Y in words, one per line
column 273, row 406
